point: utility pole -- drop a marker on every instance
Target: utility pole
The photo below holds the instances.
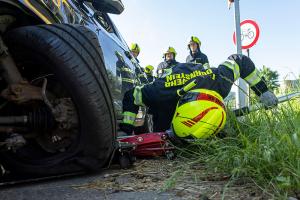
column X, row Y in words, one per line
column 242, row 99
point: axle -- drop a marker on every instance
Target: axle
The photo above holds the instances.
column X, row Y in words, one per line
column 40, row 119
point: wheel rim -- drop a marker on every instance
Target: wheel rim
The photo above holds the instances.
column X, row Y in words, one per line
column 44, row 146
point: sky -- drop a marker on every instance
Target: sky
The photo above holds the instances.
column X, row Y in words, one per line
column 157, row 24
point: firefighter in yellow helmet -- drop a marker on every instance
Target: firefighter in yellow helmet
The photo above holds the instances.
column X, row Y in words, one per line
column 196, row 56
column 135, row 49
column 190, row 98
column 149, row 72
column 169, row 61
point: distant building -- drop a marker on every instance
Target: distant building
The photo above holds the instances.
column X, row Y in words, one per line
column 290, row 85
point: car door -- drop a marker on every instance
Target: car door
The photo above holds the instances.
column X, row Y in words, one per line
column 114, row 50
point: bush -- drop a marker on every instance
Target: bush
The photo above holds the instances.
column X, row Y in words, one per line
column 263, row 146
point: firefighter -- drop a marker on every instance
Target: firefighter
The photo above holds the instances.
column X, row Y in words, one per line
column 135, row 51
column 169, row 61
column 202, row 108
column 141, row 75
column 149, row 73
column 196, row 56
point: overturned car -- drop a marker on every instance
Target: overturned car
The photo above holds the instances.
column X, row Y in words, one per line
column 60, row 93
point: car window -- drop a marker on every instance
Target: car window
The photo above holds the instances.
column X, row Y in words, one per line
column 104, row 21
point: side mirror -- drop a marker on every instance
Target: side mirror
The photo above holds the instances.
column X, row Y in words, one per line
column 109, row 6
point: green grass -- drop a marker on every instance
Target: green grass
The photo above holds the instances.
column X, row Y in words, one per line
column 264, row 146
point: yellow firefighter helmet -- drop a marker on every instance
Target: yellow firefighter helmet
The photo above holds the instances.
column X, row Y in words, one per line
column 195, row 40
column 135, row 47
column 199, row 114
column 171, row 50
column 149, row 68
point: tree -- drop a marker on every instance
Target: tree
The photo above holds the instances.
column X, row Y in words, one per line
column 271, row 77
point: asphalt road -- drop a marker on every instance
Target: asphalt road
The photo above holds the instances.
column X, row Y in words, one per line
column 71, row 188
column 145, row 180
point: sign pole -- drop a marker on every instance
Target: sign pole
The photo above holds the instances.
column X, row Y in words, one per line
column 242, row 96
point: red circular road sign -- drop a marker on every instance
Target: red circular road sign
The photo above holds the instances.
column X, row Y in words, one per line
column 249, row 34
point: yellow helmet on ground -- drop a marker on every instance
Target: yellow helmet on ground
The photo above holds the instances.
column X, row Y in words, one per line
column 135, row 47
column 149, row 68
column 195, row 40
column 199, row 114
column 171, row 50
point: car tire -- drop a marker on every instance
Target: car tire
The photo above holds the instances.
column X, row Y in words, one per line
column 74, row 55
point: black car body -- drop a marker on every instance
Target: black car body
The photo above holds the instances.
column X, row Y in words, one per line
column 85, row 28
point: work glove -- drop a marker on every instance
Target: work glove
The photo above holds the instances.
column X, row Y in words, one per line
column 268, row 99
column 171, row 136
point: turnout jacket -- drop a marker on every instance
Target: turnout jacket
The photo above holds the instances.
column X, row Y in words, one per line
column 197, row 58
column 162, row 95
column 165, row 65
